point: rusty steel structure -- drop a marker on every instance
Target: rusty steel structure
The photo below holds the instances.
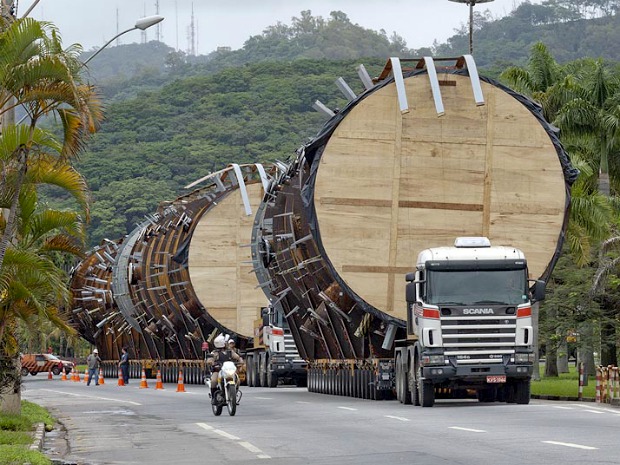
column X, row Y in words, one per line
column 138, row 292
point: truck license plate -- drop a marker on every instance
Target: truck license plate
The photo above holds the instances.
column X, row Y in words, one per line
column 496, row 379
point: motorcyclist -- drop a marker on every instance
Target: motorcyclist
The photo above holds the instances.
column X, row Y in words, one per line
column 220, row 354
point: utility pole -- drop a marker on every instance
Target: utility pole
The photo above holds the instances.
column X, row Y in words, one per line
column 471, row 4
column 158, row 35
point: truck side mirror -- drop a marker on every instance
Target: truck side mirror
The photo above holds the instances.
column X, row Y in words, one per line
column 409, row 277
column 538, row 293
column 410, row 293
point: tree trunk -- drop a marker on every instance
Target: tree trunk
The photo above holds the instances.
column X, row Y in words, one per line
column 10, row 366
column 10, row 222
column 563, row 355
column 608, row 343
column 551, row 359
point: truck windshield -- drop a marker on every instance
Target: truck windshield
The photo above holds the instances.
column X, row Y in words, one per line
column 450, row 287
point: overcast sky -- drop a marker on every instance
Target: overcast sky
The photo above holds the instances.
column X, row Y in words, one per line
column 229, row 23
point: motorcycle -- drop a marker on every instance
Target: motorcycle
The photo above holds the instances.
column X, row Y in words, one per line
column 227, row 389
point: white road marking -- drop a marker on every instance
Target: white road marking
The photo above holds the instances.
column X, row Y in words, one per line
column 302, row 402
column 226, row 435
column 250, row 447
column 589, row 408
column 264, row 398
column 563, row 408
column 92, row 397
column 569, row 444
column 468, row 429
column 347, row 408
column 594, row 411
column 397, row 418
column 246, row 445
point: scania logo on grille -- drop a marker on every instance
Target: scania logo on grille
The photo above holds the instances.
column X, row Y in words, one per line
column 478, row 311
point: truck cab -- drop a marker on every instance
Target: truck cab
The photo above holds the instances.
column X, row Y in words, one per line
column 469, row 322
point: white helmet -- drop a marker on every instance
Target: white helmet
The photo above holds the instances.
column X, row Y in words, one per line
column 219, row 341
column 95, row 351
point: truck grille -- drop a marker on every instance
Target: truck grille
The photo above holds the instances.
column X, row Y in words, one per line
column 479, row 339
column 290, row 349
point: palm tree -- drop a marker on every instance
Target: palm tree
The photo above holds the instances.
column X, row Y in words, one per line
column 32, row 286
column 36, row 73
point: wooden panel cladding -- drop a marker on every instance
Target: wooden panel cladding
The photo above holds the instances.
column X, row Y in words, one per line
column 219, row 263
column 390, row 185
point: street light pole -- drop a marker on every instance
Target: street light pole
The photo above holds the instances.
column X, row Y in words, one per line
column 142, row 24
column 471, row 4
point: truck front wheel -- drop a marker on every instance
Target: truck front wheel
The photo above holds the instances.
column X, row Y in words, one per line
column 426, row 391
column 522, row 391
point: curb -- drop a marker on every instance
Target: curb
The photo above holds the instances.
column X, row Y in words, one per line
column 614, row 402
column 38, row 437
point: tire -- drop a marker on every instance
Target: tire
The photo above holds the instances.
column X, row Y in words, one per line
column 522, row 391
column 34, row 373
column 249, row 373
column 25, row 371
column 406, row 383
column 509, row 393
column 56, row 371
column 272, row 378
column 231, row 403
column 398, row 379
column 485, row 395
column 413, row 383
column 217, row 409
column 426, row 391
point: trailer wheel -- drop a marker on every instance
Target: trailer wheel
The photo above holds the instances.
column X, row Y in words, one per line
column 426, row 391
column 522, row 391
column 488, row 394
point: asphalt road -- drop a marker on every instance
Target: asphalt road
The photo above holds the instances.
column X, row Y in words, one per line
column 127, row 425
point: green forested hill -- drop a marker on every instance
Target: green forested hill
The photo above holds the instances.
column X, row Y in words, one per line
column 151, row 146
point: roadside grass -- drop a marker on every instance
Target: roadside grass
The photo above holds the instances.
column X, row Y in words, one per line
column 565, row 385
column 16, row 435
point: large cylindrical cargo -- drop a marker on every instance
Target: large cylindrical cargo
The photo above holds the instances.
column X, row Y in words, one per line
column 185, row 274
column 411, row 163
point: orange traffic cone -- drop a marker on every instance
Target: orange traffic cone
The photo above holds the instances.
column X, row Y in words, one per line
column 49, row 374
column 120, row 378
column 64, row 375
column 86, row 376
column 101, row 381
column 143, row 384
column 77, row 378
column 158, row 383
column 181, row 384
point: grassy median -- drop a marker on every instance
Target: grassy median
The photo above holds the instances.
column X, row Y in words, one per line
column 16, row 435
column 565, row 385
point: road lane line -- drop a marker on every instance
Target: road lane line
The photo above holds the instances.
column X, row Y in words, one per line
column 302, row 402
column 347, row 408
column 264, row 398
column 92, row 397
column 397, row 418
column 250, row 447
column 563, row 408
column 468, row 429
column 263, row 456
column 594, row 411
column 226, row 435
column 570, row 444
column 205, row 426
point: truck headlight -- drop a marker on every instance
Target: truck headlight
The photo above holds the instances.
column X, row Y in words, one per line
column 524, row 358
column 433, row 360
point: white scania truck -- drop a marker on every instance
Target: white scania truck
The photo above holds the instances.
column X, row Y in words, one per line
column 469, row 324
